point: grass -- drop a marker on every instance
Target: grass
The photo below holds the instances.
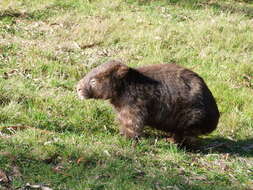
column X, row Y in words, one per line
column 49, row 137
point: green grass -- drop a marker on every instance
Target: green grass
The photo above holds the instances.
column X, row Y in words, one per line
column 47, row 46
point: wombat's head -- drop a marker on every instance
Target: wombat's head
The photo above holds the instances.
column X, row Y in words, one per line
column 103, row 81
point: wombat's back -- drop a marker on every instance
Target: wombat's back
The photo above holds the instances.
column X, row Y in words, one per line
column 188, row 105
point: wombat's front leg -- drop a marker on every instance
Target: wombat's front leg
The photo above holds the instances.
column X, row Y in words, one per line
column 131, row 123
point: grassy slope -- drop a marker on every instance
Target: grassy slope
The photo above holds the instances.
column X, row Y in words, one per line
column 47, row 46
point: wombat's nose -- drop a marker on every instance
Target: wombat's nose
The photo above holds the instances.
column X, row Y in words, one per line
column 80, row 94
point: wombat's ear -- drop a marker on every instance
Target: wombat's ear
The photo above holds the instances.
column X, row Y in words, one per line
column 121, row 71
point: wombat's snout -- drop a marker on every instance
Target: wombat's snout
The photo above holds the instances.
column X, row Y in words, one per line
column 79, row 93
column 82, row 91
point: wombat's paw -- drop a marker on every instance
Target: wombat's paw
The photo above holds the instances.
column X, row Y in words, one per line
column 171, row 140
column 129, row 133
column 184, row 142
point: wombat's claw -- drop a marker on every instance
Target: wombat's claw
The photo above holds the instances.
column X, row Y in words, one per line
column 137, row 138
column 171, row 140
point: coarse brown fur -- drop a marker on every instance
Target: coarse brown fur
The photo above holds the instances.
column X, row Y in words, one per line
column 167, row 97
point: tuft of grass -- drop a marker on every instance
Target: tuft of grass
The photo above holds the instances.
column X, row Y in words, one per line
column 49, row 137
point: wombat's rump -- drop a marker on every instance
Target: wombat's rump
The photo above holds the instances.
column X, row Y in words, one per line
column 167, row 97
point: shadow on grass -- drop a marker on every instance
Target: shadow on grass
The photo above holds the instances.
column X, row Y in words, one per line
column 232, row 8
column 39, row 14
column 243, row 148
column 236, row 7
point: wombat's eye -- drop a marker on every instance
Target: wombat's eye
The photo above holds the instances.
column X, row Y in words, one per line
column 103, row 77
column 93, row 82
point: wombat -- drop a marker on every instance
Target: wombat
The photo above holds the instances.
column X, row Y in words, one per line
column 166, row 97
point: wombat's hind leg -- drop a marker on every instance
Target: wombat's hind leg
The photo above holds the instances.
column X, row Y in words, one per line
column 184, row 141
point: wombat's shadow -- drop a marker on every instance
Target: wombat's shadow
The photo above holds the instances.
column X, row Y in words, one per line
column 223, row 145
column 214, row 144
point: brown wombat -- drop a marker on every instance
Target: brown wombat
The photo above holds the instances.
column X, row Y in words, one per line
column 167, row 97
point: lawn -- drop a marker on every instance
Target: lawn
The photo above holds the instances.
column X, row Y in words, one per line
column 49, row 137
